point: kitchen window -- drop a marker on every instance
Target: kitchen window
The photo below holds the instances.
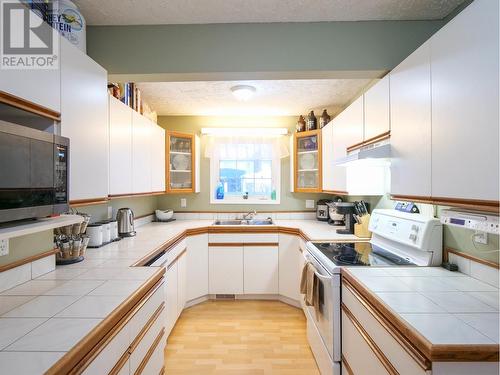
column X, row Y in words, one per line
column 247, row 170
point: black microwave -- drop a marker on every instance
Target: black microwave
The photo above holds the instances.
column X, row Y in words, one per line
column 33, row 173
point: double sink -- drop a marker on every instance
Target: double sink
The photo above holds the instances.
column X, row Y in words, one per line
column 268, row 221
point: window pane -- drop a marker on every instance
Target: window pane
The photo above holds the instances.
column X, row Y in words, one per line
column 246, row 167
column 263, row 169
column 263, row 186
column 248, row 186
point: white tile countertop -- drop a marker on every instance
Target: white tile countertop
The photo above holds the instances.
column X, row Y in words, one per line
column 44, row 318
column 446, row 308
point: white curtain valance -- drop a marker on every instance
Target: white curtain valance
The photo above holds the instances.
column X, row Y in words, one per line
column 246, row 147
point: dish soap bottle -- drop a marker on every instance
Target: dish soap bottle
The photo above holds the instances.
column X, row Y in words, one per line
column 273, row 194
column 219, row 192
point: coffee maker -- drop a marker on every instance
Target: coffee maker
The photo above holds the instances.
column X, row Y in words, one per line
column 347, row 210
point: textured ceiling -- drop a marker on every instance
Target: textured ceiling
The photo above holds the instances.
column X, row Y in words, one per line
column 150, row 12
column 272, row 98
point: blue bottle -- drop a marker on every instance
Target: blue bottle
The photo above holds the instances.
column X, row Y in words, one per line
column 219, row 192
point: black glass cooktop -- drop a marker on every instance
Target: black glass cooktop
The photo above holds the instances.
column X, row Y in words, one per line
column 360, row 254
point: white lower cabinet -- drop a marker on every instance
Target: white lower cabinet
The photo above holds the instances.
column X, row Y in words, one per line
column 197, row 266
column 171, row 297
column 260, row 270
column 289, row 266
column 225, row 275
column 129, row 349
column 181, row 283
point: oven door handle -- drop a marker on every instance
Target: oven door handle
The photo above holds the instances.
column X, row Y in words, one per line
column 321, row 277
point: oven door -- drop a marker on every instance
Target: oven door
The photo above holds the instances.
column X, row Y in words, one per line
column 327, row 320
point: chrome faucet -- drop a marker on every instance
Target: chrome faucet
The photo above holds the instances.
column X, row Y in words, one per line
column 250, row 214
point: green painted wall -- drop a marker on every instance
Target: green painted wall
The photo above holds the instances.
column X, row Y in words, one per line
column 201, row 201
column 221, row 51
column 139, row 205
column 26, row 246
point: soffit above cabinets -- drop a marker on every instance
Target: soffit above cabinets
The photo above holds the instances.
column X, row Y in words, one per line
column 160, row 12
column 272, row 97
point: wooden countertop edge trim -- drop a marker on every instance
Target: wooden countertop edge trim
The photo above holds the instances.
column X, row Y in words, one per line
column 449, row 250
column 20, row 103
column 81, row 354
column 242, row 244
column 150, row 352
column 418, row 343
column 395, row 327
column 210, row 229
column 29, row 259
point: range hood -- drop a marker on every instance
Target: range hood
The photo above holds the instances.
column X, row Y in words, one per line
column 378, row 153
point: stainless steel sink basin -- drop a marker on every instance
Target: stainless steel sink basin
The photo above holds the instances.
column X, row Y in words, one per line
column 244, row 222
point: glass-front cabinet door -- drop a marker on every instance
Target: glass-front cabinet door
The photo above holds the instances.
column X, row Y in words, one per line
column 307, row 161
column 180, row 162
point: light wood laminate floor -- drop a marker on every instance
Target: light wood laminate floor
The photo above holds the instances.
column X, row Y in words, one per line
column 240, row 337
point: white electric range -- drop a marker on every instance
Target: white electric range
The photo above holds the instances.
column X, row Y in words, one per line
column 398, row 239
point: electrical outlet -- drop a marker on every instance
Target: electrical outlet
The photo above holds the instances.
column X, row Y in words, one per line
column 110, row 212
column 183, row 202
column 309, row 203
column 4, row 247
column 480, row 237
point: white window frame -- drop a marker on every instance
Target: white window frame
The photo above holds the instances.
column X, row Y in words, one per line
column 214, row 179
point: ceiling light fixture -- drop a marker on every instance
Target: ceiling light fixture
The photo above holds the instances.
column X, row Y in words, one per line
column 244, row 131
column 243, row 92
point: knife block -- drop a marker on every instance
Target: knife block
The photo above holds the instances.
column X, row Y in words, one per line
column 361, row 230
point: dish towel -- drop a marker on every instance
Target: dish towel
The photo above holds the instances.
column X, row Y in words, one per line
column 309, row 286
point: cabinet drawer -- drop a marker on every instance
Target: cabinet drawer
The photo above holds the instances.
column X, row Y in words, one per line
column 404, row 359
column 111, row 353
column 139, row 352
column 243, row 238
column 141, row 317
column 156, row 361
column 357, row 351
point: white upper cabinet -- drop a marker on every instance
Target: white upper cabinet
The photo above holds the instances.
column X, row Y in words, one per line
column 39, row 86
column 157, row 158
column 84, row 119
column 142, row 129
column 410, row 88
column 120, row 147
column 465, row 99
column 327, row 157
column 377, row 119
column 347, row 131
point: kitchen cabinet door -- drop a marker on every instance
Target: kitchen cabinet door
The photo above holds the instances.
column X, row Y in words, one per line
column 171, row 297
column 197, row 266
column 289, row 266
column 377, row 119
column 39, row 86
column 225, row 269
column 465, row 131
column 410, row 86
column 327, row 155
column 141, row 153
column 157, row 158
column 84, row 119
column 120, row 147
column 347, row 131
column 260, row 270
column 181, row 283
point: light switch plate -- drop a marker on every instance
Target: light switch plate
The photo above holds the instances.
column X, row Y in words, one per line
column 4, row 247
column 309, row 203
column 183, row 202
column 110, row 212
